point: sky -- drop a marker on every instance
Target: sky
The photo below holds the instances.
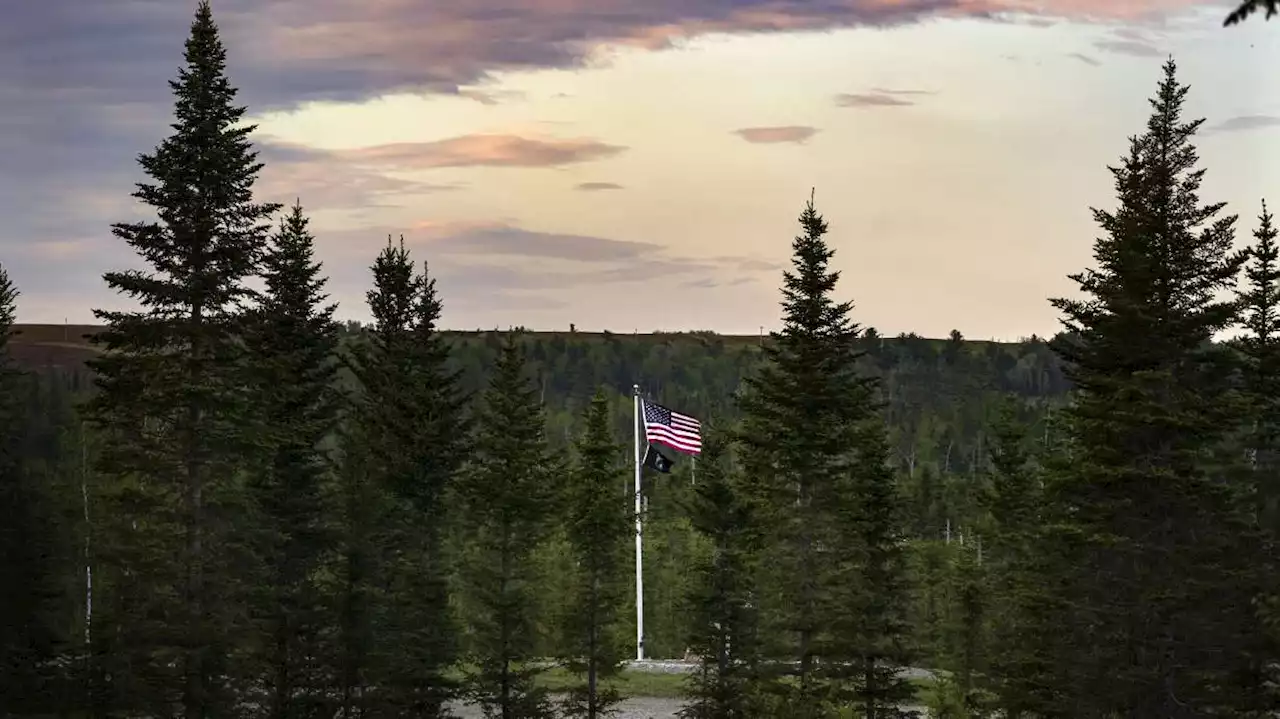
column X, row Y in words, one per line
column 641, row 166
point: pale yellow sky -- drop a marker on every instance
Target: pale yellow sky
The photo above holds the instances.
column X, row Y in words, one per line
column 963, row 210
column 955, row 160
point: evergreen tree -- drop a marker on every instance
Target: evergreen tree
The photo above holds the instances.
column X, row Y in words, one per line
column 1260, row 345
column 173, row 401
column 871, row 632
column 411, row 420
column 1146, row 523
column 598, row 526
column 816, row 458
column 507, row 501
column 293, row 339
column 30, row 591
column 720, row 607
column 362, row 504
column 1012, row 502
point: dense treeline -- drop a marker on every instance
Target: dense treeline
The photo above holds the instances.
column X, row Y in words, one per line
column 240, row 506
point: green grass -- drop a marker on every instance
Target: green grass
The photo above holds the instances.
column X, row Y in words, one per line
column 628, row 683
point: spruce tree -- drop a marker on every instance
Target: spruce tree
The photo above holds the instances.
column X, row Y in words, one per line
column 1260, row 345
column 719, row 607
column 598, row 526
column 30, row 591
column 815, row 456
column 1012, row 500
column 870, row 635
column 1148, row 526
column 173, row 402
column 293, row 338
column 507, row 498
column 411, row 419
column 354, row 592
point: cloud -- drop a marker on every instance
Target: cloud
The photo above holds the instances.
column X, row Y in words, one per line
column 491, row 269
column 482, row 151
column 1131, row 41
column 1246, row 122
column 490, row 97
column 785, row 133
column 592, row 260
column 284, row 52
column 501, row 239
column 1136, row 48
column 877, row 98
column 597, row 186
column 84, row 85
column 894, row 91
column 1084, row 58
column 323, row 179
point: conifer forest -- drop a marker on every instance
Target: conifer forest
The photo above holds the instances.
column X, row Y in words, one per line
column 230, row 503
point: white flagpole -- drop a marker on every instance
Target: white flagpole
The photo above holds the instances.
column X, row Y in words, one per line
column 639, row 529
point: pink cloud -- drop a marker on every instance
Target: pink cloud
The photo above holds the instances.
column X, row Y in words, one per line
column 483, row 150
column 785, row 133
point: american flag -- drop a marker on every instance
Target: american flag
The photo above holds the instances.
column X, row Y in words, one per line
column 677, row 431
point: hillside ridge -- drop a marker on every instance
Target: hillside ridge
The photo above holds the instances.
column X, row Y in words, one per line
column 77, row 335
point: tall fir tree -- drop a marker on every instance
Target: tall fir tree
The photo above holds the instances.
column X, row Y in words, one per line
column 293, row 338
column 816, row 457
column 508, row 496
column 413, row 422
column 719, row 607
column 369, row 448
column 31, row 590
column 1260, row 345
column 173, row 401
column 1012, row 499
column 870, row 635
column 598, row 527
column 1145, row 518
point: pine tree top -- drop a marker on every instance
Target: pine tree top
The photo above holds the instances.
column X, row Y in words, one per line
column 810, row 310
column 812, row 374
column 294, row 285
column 210, row 232
column 8, row 309
column 1260, row 300
column 394, row 295
column 1163, row 259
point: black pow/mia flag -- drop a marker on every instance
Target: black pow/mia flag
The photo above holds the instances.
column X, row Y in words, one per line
column 657, row 461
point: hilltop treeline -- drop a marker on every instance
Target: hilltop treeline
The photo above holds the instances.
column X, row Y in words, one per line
column 239, row 506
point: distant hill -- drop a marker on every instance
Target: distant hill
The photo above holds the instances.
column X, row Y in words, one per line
column 938, row 393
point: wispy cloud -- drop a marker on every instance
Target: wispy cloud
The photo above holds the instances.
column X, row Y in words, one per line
column 1136, row 48
column 484, row 150
column 496, row 238
column 326, row 179
column 784, row 133
column 520, row 258
column 880, row 97
column 1086, row 59
column 597, row 186
column 1131, row 41
column 1246, row 122
column 490, row 97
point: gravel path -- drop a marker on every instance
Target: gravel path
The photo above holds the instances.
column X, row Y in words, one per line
column 636, row 708
column 666, row 708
